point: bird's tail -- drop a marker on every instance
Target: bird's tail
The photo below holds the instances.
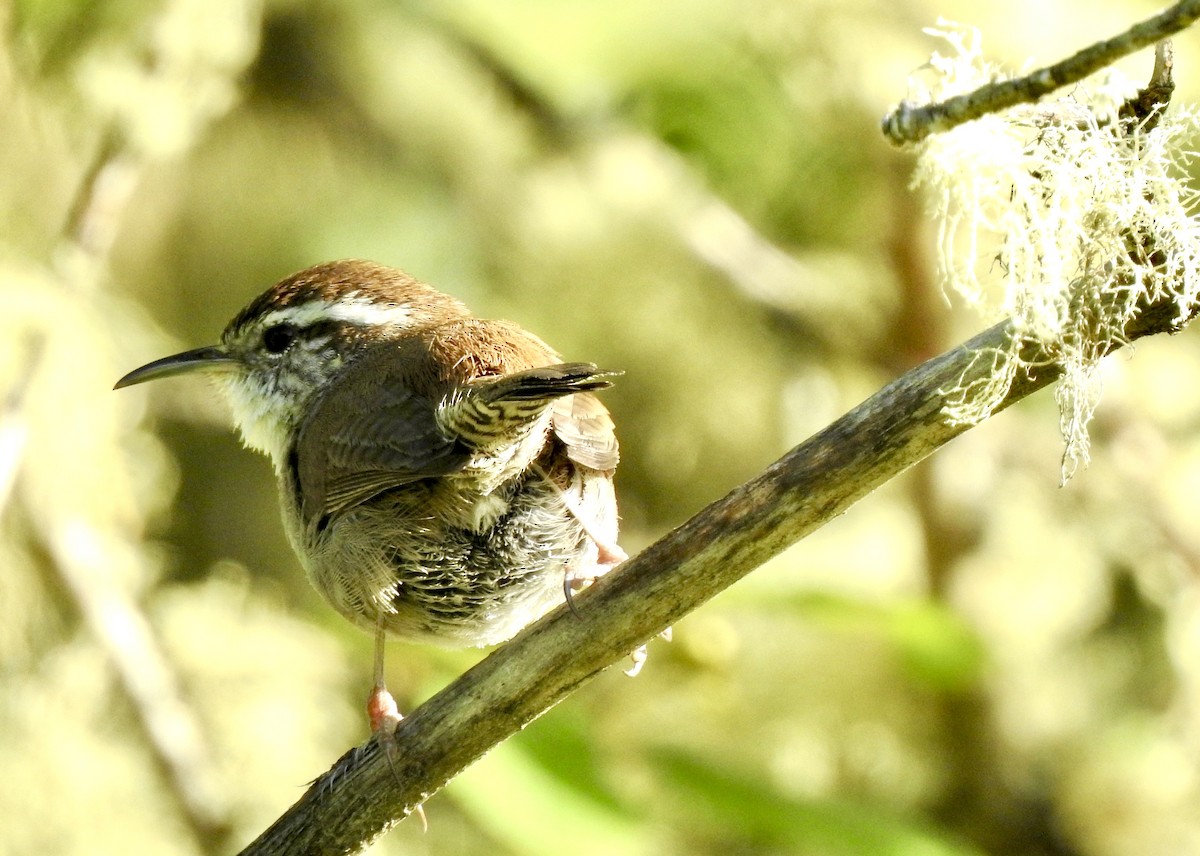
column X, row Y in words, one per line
column 492, row 407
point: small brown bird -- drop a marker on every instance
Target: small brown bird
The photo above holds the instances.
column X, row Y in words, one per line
column 443, row 478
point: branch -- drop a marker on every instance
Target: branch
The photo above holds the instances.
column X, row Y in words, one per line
column 362, row 796
column 910, row 123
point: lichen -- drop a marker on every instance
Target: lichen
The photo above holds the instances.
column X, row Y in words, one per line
column 1060, row 217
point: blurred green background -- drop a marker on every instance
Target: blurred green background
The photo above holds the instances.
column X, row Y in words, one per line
column 970, row 661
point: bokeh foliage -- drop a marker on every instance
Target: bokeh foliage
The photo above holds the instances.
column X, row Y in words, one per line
column 971, row 661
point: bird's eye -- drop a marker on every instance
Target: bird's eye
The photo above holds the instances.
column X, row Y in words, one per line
column 279, row 338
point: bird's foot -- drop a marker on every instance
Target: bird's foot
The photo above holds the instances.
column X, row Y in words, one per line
column 383, row 712
column 384, row 715
column 608, row 556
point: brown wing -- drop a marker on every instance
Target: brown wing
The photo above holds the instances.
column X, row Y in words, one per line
column 347, row 453
column 586, row 429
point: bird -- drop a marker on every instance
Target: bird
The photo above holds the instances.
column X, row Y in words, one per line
column 443, row 478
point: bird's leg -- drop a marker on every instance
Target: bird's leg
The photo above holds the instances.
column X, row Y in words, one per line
column 382, row 710
column 384, row 714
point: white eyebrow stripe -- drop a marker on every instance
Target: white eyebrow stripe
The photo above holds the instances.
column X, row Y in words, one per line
column 354, row 310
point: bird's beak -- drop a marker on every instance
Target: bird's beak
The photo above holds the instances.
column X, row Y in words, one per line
column 198, row 360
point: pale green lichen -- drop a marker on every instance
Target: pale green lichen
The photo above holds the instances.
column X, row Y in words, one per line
column 1048, row 214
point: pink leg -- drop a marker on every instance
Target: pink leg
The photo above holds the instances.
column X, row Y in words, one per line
column 382, row 709
column 384, row 715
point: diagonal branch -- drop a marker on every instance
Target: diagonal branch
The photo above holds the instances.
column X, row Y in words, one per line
column 911, row 123
column 361, row 797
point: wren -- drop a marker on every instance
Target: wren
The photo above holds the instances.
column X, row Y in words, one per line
column 443, row 478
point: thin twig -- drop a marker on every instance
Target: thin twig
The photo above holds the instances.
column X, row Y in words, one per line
column 14, row 428
column 911, row 123
column 1144, row 109
column 90, row 563
column 96, row 212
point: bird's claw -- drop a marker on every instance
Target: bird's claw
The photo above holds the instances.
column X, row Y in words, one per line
column 638, row 655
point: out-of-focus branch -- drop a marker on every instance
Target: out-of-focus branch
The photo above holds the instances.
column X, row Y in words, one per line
column 95, row 216
column 89, row 561
column 93, row 558
column 810, row 290
column 910, row 123
column 13, row 429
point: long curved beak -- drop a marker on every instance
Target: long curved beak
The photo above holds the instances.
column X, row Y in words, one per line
column 200, row 359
